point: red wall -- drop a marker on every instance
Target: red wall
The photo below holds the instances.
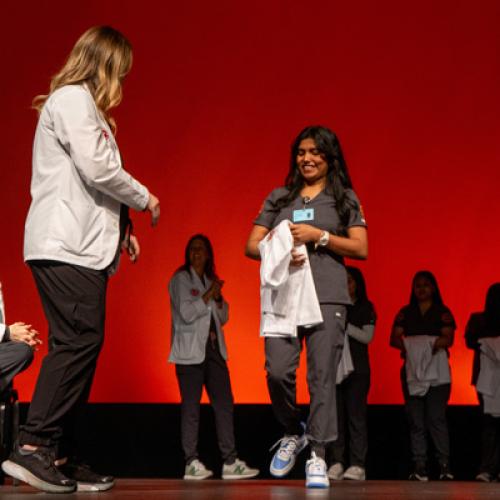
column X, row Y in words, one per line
column 217, row 93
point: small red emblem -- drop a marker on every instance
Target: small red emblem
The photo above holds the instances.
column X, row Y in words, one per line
column 105, row 134
column 195, row 292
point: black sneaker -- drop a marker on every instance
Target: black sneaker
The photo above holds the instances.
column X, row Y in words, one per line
column 419, row 473
column 87, row 480
column 445, row 473
column 38, row 470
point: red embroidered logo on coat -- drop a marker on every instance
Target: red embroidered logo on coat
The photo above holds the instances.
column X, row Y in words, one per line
column 195, row 292
column 105, row 134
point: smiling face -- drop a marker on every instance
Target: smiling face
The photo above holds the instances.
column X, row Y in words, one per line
column 198, row 254
column 311, row 162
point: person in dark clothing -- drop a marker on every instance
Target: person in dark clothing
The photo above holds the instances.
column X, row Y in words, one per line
column 426, row 315
column 486, row 324
column 352, row 393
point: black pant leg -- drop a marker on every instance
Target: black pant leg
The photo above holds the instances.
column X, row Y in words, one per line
column 218, row 385
column 436, row 402
column 355, row 395
column 74, row 300
column 190, row 379
column 415, row 414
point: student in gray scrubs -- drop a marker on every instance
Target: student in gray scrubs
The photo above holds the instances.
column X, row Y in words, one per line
column 326, row 214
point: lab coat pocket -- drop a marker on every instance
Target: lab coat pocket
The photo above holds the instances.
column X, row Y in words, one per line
column 79, row 227
column 184, row 343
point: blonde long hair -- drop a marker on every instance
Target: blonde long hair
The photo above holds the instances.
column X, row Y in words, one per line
column 101, row 58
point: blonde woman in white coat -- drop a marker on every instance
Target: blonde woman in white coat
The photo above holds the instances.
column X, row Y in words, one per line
column 198, row 350
column 74, row 230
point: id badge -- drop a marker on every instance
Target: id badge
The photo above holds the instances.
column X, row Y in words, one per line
column 303, row 215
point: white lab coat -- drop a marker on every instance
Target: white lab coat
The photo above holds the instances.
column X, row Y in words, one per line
column 191, row 318
column 488, row 380
column 287, row 295
column 77, row 184
column 424, row 368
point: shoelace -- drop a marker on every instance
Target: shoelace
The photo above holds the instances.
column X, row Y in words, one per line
column 288, row 445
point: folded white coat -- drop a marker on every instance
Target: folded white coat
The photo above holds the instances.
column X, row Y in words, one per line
column 423, row 368
column 488, row 380
column 287, row 294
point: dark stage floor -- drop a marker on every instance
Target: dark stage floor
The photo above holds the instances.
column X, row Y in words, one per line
column 138, row 489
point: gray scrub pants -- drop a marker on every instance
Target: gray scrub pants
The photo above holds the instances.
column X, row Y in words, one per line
column 214, row 375
column 14, row 358
column 324, row 349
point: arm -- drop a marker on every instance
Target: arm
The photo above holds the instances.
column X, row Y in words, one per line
column 189, row 307
column 79, row 130
column 363, row 334
column 257, row 234
column 355, row 245
column 471, row 334
column 445, row 340
column 396, row 340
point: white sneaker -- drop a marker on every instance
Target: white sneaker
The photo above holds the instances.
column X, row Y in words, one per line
column 336, row 471
column 196, row 471
column 238, row 470
column 355, row 472
column 316, row 476
column 284, row 458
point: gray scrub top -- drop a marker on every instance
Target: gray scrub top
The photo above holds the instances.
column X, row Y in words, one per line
column 328, row 269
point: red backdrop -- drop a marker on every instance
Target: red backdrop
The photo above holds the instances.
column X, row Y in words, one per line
column 217, row 93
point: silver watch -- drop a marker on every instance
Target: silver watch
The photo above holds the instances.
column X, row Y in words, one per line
column 324, row 239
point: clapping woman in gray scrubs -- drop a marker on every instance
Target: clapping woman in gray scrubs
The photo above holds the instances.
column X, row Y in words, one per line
column 318, row 197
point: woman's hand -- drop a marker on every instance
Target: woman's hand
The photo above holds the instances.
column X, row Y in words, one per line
column 303, row 233
column 214, row 292
column 21, row 332
column 298, row 258
column 154, row 207
column 131, row 245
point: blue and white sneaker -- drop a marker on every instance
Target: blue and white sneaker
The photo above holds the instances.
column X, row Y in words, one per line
column 316, row 476
column 284, row 458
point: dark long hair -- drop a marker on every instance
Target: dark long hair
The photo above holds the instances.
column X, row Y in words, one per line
column 492, row 306
column 210, row 264
column 361, row 293
column 337, row 178
column 436, row 296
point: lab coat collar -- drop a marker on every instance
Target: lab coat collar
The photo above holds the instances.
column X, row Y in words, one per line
column 196, row 279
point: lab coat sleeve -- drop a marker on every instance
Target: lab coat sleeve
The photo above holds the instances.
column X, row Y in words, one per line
column 222, row 312
column 190, row 307
column 363, row 334
column 2, row 331
column 78, row 129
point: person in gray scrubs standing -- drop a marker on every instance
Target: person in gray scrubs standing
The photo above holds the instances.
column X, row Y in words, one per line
column 326, row 215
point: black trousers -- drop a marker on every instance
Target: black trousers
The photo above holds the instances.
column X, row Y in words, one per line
column 352, row 394
column 14, row 358
column 428, row 414
column 324, row 349
column 73, row 300
column 214, row 375
column 490, row 442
